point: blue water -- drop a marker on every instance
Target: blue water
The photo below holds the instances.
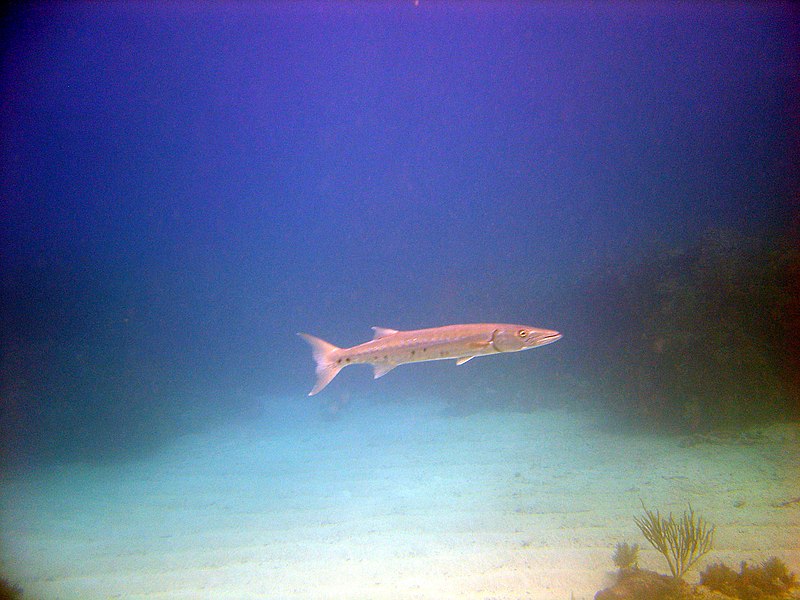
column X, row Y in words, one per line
column 184, row 187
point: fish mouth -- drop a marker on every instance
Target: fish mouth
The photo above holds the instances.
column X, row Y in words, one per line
column 548, row 338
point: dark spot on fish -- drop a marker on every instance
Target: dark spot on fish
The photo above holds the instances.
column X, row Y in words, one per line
column 339, row 361
column 424, row 349
column 348, row 360
column 385, row 357
column 412, row 352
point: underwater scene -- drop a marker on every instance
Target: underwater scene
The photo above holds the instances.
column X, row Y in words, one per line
column 400, row 300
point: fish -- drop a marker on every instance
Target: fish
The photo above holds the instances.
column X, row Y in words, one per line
column 390, row 348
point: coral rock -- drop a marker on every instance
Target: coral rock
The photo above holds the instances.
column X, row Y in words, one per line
column 640, row 584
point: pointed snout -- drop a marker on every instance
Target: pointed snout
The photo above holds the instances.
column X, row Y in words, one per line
column 545, row 336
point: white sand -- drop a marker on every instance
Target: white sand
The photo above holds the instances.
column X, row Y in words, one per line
column 390, row 501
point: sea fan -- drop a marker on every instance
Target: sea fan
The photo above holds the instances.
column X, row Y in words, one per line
column 682, row 542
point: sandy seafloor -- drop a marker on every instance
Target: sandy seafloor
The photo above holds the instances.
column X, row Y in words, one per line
column 391, row 501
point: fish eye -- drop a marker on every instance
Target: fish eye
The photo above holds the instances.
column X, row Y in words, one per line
column 522, row 333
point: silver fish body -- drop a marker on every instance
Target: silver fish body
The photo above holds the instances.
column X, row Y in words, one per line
column 390, row 348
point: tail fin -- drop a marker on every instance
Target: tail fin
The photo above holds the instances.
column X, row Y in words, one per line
column 326, row 367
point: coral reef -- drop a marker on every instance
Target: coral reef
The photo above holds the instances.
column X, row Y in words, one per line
column 641, row 584
column 687, row 338
column 770, row 581
column 683, row 543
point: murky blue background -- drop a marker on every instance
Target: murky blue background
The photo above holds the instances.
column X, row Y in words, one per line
column 184, row 187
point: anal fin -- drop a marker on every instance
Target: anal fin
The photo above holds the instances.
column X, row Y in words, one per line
column 382, row 368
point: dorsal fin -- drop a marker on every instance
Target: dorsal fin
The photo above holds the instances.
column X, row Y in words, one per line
column 381, row 332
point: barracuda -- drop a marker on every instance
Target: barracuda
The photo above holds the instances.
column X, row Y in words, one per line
column 390, row 348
